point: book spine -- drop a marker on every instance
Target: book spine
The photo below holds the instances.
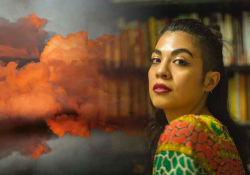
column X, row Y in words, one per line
column 220, row 22
column 243, row 100
column 238, row 42
column 152, row 32
column 146, row 45
column 136, row 98
column 117, row 53
column 248, row 97
column 130, row 61
column 108, row 55
column 237, row 94
column 124, row 47
column 228, row 41
column 113, row 98
column 139, row 53
column 102, row 100
column 134, row 48
column 150, row 108
column 143, row 99
column 235, row 38
column 125, row 100
column 242, row 58
column 232, row 97
column 246, row 35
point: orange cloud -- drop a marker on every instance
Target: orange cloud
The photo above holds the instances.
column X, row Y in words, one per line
column 27, row 92
column 24, row 38
column 35, row 151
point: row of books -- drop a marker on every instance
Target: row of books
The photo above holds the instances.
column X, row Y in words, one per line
column 126, row 95
column 128, row 98
column 239, row 97
column 138, row 38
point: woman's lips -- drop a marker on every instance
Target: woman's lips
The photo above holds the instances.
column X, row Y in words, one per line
column 161, row 88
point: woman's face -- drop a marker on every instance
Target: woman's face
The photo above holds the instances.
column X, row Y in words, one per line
column 176, row 63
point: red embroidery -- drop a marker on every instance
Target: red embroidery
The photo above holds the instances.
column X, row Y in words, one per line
column 185, row 133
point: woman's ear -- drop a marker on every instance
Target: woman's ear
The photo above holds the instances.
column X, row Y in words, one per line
column 211, row 80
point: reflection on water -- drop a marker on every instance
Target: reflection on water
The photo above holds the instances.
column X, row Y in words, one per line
column 34, row 149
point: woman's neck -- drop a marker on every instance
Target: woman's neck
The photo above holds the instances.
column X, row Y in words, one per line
column 198, row 111
column 204, row 111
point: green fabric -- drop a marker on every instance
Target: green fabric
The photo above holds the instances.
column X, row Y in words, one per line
column 217, row 130
column 170, row 162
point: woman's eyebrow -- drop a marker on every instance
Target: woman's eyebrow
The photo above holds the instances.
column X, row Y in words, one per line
column 158, row 52
column 175, row 52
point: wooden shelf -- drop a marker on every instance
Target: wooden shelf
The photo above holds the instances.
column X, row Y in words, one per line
column 172, row 8
column 245, row 125
column 125, row 73
column 243, row 69
column 169, row 2
column 131, row 72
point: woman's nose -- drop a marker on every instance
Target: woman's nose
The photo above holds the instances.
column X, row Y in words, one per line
column 163, row 72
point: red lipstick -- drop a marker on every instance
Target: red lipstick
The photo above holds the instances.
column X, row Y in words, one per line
column 161, row 88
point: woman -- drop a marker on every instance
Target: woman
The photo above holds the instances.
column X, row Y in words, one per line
column 192, row 132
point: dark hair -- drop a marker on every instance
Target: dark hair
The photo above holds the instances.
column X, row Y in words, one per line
column 210, row 43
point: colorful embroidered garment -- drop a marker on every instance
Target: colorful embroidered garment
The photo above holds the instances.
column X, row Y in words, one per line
column 194, row 144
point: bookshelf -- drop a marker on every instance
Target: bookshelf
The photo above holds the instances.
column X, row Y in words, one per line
column 167, row 2
column 228, row 14
column 142, row 9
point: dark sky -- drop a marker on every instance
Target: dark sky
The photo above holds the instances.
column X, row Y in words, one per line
column 64, row 16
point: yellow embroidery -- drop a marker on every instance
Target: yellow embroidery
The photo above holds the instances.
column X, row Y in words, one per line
column 189, row 151
column 228, row 154
column 194, row 120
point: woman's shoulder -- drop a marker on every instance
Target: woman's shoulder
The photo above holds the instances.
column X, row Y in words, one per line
column 205, row 139
column 207, row 124
column 206, row 120
column 195, row 133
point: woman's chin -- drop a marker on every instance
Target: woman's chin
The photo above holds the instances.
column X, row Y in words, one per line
column 161, row 105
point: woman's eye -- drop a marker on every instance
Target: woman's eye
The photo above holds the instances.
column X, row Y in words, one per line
column 181, row 62
column 154, row 60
